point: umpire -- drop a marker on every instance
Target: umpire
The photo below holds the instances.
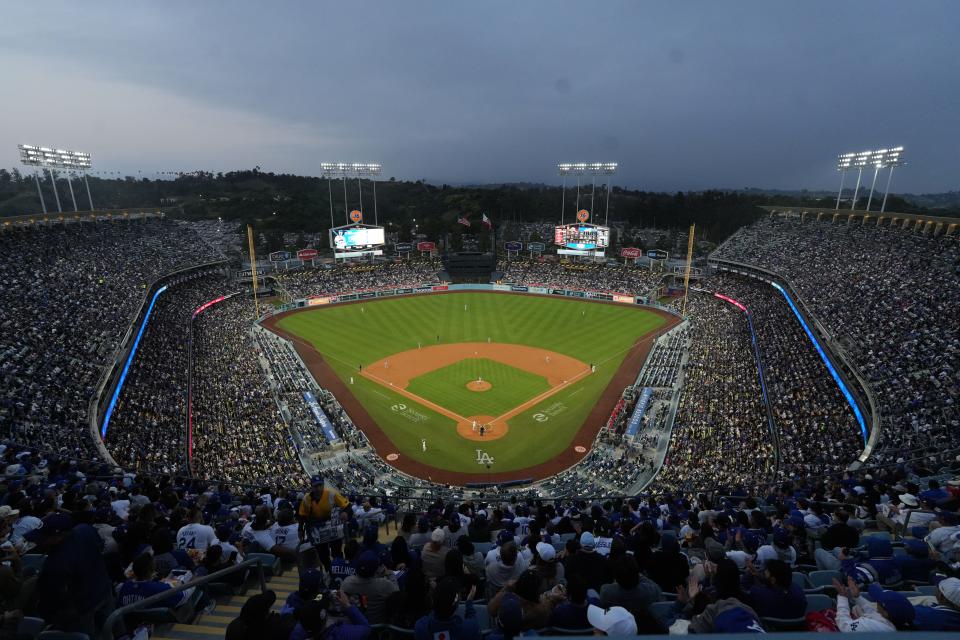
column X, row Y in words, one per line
column 321, row 519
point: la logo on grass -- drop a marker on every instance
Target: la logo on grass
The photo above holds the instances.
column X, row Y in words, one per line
column 483, row 457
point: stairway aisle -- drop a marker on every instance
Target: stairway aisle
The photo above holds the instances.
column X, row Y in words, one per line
column 214, row 624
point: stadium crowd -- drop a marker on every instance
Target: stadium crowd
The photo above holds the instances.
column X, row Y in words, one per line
column 238, row 432
column 346, row 278
column 68, row 294
column 799, row 554
column 588, row 277
column 149, row 422
column 890, row 298
column 816, row 428
column 720, row 433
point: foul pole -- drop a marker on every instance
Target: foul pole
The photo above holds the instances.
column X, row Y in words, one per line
column 253, row 272
column 686, row 275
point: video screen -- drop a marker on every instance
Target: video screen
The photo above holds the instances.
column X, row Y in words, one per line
column 357, row 237
column 582, row 236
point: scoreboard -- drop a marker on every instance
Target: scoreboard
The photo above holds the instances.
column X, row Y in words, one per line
column 582, row 236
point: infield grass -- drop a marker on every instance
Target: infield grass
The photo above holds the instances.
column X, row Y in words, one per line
column 358, row 334
column 447, row 387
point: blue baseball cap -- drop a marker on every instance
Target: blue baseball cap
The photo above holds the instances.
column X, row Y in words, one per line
column 917, row 548
column 367, row 564
column 311, row 580
column 504, row 537
column 510, row 615
column 316, row 479
column 51, row 525
column 898, row 608
column 736, row 620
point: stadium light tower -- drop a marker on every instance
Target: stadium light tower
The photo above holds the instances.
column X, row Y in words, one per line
column 358, row 169
column 891, row 159
column 853, row 160
column 50, row 159
column 580, row 169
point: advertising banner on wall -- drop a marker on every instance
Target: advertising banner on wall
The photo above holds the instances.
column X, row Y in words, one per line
column 536, row 247
column 306, row 255
column 426, row 246
column 513, row 245
column 630, row 252
column 279, row 256
column 322, row 420
column 403, row 247
column 633, row 425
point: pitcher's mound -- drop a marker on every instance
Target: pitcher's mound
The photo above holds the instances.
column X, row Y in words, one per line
column 479, row 385
column 495, row 431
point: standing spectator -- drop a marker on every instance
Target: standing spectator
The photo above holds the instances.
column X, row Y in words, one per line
column 320, row 520
column 73, row 588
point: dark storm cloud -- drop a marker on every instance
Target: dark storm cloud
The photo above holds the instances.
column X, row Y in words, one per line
column 683, row 95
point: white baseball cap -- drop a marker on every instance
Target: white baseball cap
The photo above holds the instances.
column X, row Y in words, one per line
column 546, row 551
column 908, row 499
column 615, row 621
column 950, row 588
column 438, row 535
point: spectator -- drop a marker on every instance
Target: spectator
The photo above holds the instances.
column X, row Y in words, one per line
column 889, row 610
column 433, row 555
column 774, row 595
column 370, row 584
column 443, row 618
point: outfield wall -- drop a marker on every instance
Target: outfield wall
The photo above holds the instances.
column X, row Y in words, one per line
column 372, row 294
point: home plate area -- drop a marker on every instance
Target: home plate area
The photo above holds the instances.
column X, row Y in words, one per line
column 460, row 381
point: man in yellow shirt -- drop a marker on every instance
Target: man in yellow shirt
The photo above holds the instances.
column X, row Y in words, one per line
column 321, row 518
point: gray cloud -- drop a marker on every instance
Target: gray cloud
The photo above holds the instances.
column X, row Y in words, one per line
column 683, row 95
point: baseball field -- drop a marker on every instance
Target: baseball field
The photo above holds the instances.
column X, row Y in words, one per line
column 472, row 385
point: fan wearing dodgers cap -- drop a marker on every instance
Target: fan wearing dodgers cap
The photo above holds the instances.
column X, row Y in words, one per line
column 889, row 611
column 945, row 615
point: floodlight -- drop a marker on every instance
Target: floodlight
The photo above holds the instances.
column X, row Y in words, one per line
column 50, row 159
column 887, row 158
column 351, row 169
column 584, row 168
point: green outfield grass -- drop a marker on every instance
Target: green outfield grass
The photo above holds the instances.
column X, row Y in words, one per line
column 358, row 334
column 447, row 387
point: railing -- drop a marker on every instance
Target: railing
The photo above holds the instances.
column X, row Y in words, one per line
column 117, row 615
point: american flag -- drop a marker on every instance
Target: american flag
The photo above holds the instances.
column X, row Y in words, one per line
column 486, row 222
column 463, row 220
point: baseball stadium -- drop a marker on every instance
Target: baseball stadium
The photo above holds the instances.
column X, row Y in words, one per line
column 532, row 368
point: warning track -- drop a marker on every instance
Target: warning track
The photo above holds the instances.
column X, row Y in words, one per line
column 625, row 374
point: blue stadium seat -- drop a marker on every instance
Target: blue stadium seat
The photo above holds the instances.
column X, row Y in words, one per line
column 482, row 547
column 822, row 579
column 800, row 579
column 560, row 631
column 483, row 618
column 784, row 624
column 819, row 602
column 29, row 628
column 271, row 563
column 927, row 589
column 664, row 612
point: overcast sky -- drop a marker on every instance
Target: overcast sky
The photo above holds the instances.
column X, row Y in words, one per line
column 684, row 95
